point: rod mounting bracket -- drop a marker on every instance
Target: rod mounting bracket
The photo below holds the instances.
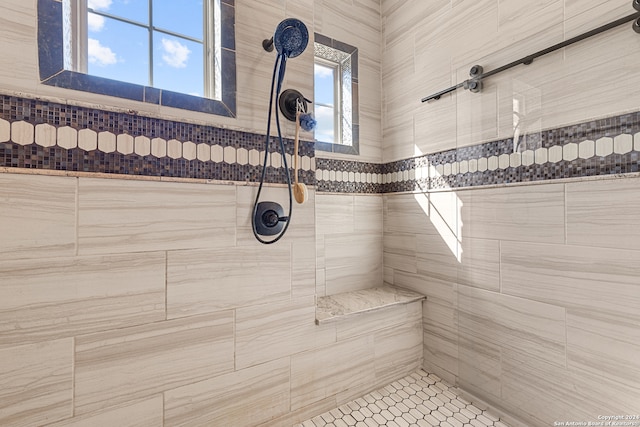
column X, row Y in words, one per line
column 472, row 85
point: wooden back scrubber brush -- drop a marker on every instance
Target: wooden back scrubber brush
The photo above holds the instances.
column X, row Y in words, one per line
column 300, row 192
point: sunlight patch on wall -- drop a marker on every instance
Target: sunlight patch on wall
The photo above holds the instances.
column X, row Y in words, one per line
column 443, row 208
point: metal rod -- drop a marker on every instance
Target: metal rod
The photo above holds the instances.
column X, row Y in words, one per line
column 529, row 58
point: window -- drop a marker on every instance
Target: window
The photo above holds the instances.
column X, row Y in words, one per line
column 335, row 96
column 178, row 54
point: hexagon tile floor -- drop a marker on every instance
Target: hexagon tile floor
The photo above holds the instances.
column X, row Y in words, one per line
column 418, row 400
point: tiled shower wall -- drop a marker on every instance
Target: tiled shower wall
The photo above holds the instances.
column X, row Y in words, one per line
column 531, row 293
column 531, row 286
column 145, row 300
column 148, row 300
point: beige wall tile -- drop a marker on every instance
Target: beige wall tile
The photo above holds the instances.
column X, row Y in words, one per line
column 62, row 297
column 480, row 263
column 244, row 398
column 271, row 331
column 204, row 281
column 335, row 214
column 440, row 326
column 438, row 266
column 436, row 124
column 542, row 393
column 592, row 8
column 435, row 290
column 434, row 214
column 514, row 323
column 39, row 216
column 537, row 391
column 599, row 213
column 318, row 374
column 303, row 268
column 408, row 213
column 302, row 414
column 518, row 22
column 381, row 319
column 36, row 383
column 143, row 413
column 403, row 14
column 367, row 211
column 352, row 262
column 530, row 214
column 479, row 366
column 398, row 351
column 577, row 277
column 400, row 252
column 17, row 41
column 117, row 215
column 125, row 364
column 476, row 112
column 605, row 344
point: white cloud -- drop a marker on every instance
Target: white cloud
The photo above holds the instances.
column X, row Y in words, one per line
column 321, row 71
column 324, row 130
column 95, row 22
column 101, row 55
column 99, row 4
column 175, row 53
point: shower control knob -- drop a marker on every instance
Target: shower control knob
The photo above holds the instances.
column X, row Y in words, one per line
column 269, row 218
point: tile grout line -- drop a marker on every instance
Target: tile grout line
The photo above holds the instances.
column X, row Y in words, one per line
column 166, row 285
column 77, row 215
column 73, row 377
column 566, row 216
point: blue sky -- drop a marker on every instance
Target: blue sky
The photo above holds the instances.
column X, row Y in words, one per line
column 120, row 51
column 324, row 94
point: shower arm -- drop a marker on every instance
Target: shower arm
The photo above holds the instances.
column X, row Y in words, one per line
column 474, row 84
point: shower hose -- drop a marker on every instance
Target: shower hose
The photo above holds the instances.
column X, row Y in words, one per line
column 278, row 70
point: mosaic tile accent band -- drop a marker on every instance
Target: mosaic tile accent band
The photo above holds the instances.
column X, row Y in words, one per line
column 595, row 148
column 51, row 136
column 43, row 135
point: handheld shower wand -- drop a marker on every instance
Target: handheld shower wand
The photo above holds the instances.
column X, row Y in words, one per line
column 268, row 219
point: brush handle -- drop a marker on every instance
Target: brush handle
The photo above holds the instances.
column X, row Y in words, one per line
column 296, row 142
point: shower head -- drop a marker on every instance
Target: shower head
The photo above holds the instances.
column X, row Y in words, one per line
column 291, row 37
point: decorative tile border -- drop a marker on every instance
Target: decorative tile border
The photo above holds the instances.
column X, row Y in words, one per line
column 36, row 134
column 595, row 148
column 43, row 135
column 343, row 176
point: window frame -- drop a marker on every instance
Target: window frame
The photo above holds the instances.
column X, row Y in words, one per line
column 51, row 52
column 339, row 117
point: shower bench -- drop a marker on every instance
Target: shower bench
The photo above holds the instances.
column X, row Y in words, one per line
column 355, row 303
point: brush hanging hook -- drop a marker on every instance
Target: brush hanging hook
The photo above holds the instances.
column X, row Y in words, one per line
column 301, row 107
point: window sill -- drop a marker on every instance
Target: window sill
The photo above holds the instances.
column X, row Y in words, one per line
column 339, row 148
